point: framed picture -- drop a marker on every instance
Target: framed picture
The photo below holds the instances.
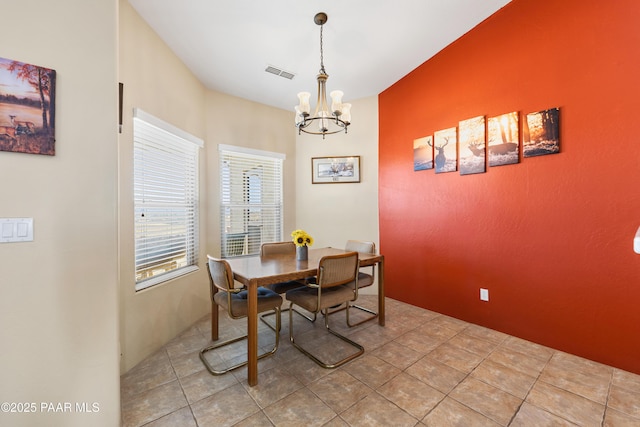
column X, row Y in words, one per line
column 335, row 170
column 504, row 147
column 27, row 108
column 542, row 133
column 423, row 153
column 445, row 143
column 472, row 153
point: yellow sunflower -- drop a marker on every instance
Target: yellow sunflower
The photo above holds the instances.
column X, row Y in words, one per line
column 301, row 238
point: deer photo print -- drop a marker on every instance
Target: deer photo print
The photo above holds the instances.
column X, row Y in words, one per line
column 27, row 108
column 472, row 146
column 423, row 153
column 445, row 146
column 504, row 147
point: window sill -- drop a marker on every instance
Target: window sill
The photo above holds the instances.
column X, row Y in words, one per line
column 146, row 284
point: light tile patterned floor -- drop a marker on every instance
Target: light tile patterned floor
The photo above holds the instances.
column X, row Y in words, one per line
column 421, row 369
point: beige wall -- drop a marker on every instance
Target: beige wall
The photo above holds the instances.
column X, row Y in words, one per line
column 157, row 81
column 334, row 213
column 58, row 294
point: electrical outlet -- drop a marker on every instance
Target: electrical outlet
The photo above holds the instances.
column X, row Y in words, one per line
column 484, row 294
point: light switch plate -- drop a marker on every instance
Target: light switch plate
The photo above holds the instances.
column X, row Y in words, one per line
column 16, row 230
column 636, row 242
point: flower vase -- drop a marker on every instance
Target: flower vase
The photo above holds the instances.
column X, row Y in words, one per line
column 302, row 253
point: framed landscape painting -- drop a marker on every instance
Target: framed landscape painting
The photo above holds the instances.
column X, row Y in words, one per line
column 27, row 108
column 335, row 170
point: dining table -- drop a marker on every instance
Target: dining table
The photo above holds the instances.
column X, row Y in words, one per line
column 256, row 271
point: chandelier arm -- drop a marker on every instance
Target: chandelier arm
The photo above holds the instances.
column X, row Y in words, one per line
column 309, row 120
column 338, row 121
column 342, row 127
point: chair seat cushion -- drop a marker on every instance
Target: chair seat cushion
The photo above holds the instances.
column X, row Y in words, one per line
column 364, row 280
column 267, row 300
column 307, row 297
column 281, row 288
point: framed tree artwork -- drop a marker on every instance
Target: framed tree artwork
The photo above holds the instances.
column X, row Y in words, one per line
column 542, row 133
column 27, row 108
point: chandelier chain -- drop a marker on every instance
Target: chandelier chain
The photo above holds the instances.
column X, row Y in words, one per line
column 321, row 52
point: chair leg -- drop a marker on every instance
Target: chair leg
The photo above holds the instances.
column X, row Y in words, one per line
column 314, row 358
column 214, row 371
column 374, row 315
column 299, row 283
column 310, row 319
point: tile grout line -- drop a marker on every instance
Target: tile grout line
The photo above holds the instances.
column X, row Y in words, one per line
column 606, row 402
column 469, row 374
column 182, row 388
column 537, row 378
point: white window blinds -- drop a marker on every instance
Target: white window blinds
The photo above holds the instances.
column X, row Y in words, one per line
column 165, row 176
column 250, row 199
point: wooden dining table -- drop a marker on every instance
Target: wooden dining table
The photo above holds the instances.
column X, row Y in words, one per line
column 255, row 271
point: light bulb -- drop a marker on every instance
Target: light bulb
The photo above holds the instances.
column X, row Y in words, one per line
column 304, row 102
column 346, row 113
column 323, row 124
column 336, row 102
column 299, row 116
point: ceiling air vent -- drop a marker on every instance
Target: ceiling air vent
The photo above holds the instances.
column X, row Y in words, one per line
column 278, row 72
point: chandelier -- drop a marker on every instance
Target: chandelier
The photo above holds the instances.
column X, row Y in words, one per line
column 328, row 121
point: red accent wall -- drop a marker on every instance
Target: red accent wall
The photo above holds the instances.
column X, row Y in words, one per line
column 550, row 237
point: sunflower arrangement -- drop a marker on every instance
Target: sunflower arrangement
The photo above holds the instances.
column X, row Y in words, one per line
column 301, row 238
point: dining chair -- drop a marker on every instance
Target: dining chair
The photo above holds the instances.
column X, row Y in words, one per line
column 282, row 248
column 234, row 301
column 364, row 279
column 335, row 272
column 235, row 244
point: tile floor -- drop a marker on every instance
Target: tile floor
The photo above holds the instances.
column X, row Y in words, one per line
column 421, row 369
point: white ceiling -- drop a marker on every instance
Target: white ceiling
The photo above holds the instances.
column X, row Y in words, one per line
column 368, row 44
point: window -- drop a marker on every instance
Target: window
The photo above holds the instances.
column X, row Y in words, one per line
column 165, row 192
column 250, row 199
